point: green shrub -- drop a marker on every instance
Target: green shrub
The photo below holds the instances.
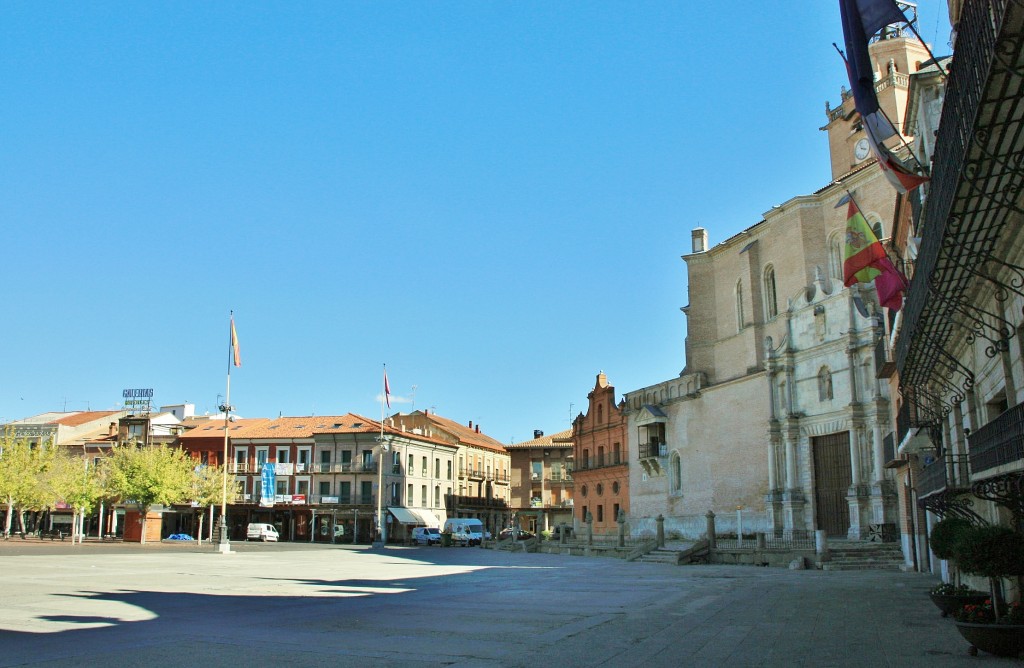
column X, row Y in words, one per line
column 991, row 551
column 946, row 536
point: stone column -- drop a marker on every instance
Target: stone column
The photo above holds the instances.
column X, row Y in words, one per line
column 878, row 450
column 855, row 477
column 660, row 530
column 711, row 531
column 590, row 528
column 792, row 481
column 620, row 519
column 773, row 474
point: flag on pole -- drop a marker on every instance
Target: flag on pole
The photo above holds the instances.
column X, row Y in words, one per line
column 235, row 352
column 387, row 388
column 865, row 261
column 861, row 20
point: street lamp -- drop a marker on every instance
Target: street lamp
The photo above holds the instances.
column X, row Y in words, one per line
column 381, row 525
column 224, row 547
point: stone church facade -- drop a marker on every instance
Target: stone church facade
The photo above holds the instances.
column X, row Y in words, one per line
column 779, row 421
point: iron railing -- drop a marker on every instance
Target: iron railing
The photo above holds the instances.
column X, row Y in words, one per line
column 969, row 195
column 651, row 450
column 999, row 442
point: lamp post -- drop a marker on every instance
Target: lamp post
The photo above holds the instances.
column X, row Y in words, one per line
column 382, row 531
column 224, row 546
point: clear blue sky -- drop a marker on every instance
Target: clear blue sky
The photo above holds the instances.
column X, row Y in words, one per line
column 490, row 198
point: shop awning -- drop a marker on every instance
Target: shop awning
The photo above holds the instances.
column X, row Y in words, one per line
column 404, row 515
column 413, row 516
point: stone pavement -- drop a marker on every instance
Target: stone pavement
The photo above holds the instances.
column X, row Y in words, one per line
column 112, row 604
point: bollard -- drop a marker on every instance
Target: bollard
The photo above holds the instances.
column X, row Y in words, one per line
column 710, row 517
column 561, row 533
column 661, row 530
column 621, row 519
column 590, row 528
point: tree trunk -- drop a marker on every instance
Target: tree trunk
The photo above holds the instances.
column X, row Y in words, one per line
column 143, row 513
column 10, row 516
column 199, row 534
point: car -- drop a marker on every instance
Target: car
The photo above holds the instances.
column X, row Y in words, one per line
column 426, row 536
column 506, row 534
column 262, row 532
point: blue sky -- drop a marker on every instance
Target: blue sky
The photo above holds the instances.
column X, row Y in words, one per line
column 491, row 198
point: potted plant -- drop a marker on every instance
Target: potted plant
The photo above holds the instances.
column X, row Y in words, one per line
column 993, row 552
column 944, row 540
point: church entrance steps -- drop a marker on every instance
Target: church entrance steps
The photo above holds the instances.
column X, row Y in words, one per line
column 858, row 555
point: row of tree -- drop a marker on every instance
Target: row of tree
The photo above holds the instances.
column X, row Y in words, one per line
column 35, row 478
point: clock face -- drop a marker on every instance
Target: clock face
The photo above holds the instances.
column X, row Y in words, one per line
column 861, row 149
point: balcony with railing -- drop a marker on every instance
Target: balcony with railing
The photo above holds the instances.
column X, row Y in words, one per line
column 653, row 450
column 950, row 473
column 611, row 459
column 999, row 443
column 344, row 500
column 969, row 215
column 454, row 502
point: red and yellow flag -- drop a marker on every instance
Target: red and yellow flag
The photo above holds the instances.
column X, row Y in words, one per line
column 865, row 261
column 236, row 353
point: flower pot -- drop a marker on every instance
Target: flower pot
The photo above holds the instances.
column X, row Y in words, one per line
column 950, row 603
column 998, row 639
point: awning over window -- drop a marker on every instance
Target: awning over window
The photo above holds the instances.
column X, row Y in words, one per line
column 413, row 516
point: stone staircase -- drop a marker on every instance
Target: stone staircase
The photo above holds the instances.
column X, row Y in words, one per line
column 862, row 555
column 660, row 555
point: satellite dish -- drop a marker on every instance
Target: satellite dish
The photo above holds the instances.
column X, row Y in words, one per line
column 861, row 306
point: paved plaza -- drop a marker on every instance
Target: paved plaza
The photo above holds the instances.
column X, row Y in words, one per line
column 110, row 605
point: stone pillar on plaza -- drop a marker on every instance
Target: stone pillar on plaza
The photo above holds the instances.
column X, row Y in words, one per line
column 620, row 519
column 711, row 531
column 660, row 521
column 590, row 528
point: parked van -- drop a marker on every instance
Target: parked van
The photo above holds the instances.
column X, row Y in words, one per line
column 426, row 536
column 264, row 532
column 465, row 530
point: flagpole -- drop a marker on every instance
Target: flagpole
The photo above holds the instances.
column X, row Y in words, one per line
column 225, row 545
column 382, row 531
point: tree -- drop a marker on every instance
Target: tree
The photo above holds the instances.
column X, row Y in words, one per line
column 147, row 476
column 994, row 552
column 208, row 490
column 70, row 480
column 22, row 466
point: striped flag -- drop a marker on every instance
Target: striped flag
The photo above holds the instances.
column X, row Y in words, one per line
column 235, row 352
column 861, row 20
column 865, row 261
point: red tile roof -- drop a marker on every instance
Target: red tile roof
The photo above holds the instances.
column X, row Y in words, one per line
column 205, row 428
column 562, row 439
column 466, row 434
column 84, row 417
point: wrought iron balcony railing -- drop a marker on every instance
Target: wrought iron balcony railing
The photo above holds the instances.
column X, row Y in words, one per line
column 999, row 442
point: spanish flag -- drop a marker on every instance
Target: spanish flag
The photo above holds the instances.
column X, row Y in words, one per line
column 236, row 353
column 865, row 261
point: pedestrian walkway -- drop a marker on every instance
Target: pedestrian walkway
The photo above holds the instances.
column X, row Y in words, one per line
column 310, row 605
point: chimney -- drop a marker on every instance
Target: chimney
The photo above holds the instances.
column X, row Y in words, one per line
column 478, row 428
column 470, row 424
column 700, row 240
column 112, row 429
column 537, row 433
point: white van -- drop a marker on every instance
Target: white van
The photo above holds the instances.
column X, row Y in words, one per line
column 426, row 536
column 264, row 532
column 464, row 530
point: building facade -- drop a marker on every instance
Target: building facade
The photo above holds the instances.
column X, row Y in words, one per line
column 601, row 472
column 542, row 481
column 778, row 422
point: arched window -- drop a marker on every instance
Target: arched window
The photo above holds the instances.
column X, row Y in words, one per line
column 739, row 306
column 877, row 228
column 824, row 384
column 771, row 305
column 835, row 255
column 675, row 469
